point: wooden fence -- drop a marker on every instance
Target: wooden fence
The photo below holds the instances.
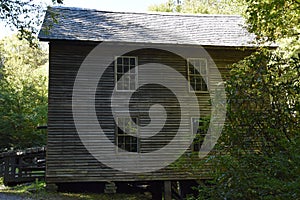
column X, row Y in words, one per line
column 23, row 166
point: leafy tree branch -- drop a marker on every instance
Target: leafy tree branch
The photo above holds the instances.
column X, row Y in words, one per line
column 24, row 15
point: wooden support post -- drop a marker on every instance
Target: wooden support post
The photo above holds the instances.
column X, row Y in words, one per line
column 6, row 170
column 51, row 187
column 110, row 188
column 167, row 190
column 156, row 190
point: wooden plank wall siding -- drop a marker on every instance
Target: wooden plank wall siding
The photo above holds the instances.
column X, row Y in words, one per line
column 67, row 158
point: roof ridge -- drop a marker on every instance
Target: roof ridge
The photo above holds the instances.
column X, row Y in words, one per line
column 146, row 13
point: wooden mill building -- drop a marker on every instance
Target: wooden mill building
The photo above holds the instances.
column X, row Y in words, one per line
column 73, row 33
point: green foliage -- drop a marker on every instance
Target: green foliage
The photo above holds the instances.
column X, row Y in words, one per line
column 202, row 7
column 24, row 15
column 264, row 98
column 212, row 6
column 259, row 151
column 23, row 94
column 37, row 186
column 273, row 19
column 258, row 154
column 169, row 6
column 38, row 190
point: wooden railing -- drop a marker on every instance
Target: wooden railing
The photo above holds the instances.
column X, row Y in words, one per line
column 23, row 166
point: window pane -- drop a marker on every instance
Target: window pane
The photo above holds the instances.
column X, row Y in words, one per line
column 119, row 76
column 195, row 125
column 193, row 82
column 132, row 82
column 199, row 84
column 120, row 84
column 124, row 65
column 119, row 61
column 202, row 63
column 204, row 86
column 133, row 146
column 133, row 129
column 197, row 64
column 120, row 121
column 126, row 82
column 132, row 67
column 191, row 69
column 126, row 61
column 127, row 147
column 134, row 119
column 197, row 68
column 127, row 125
column 121, row 142
column 120, row 69
column 132, row 85
column 126, row 141
column 203, row 70
column 126, row 68
column 132, row 62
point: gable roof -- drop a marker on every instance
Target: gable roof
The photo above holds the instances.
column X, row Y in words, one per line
column 93, row 25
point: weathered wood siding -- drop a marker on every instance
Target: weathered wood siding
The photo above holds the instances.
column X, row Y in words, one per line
column 67, row 158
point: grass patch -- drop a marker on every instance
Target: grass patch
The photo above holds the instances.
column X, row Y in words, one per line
column 38, row 191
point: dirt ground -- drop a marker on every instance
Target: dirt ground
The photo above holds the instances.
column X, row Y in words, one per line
column 4, row 196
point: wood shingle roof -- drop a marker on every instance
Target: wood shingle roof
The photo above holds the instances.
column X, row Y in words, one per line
column 93, row 25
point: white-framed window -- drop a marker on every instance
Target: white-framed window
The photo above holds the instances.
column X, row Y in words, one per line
column 197, row 126
column 197, row 74
column 127, row 134
column 126, row 67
